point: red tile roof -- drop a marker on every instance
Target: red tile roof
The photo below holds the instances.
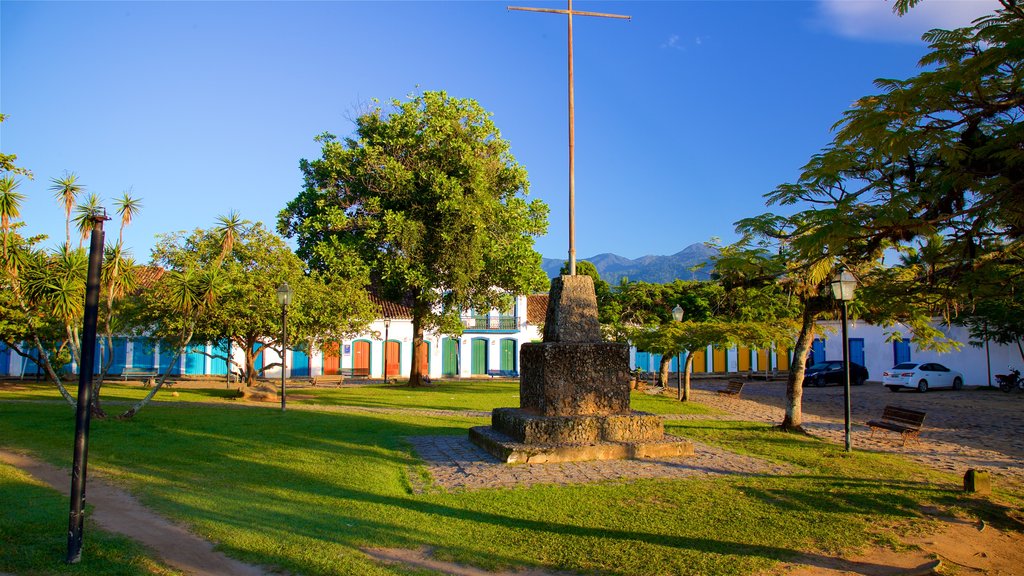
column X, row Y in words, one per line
column 148, row 276
column 536, row 308
column 388, row 309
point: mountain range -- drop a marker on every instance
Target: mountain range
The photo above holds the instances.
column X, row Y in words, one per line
column 659, row 269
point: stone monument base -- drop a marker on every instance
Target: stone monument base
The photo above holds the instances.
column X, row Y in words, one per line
column 522, row 436
column 509, row 451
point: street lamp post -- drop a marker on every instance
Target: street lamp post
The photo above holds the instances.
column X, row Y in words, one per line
column 677, row 315
column 843, row 287
column 83, row 409
column 284, row 298
column 387, row 326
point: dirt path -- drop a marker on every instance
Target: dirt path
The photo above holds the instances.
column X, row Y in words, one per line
column 115, row 510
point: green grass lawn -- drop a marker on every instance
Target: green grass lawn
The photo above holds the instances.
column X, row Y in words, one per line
column 303, row 490
column 33, row 528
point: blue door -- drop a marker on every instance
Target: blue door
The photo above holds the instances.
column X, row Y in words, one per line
column 818, row 351
column 300, row 363
column 901, row 351
column 5, row 360
column 219, row 360
column 142, row 354
column 643, row 361
column 857, row 351
column 195, row 360
column 167, row 352
column 655, row 362
column 120, row 355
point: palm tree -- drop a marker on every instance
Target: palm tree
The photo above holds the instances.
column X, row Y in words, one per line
column 84, row 214
column 189, row 293
column 228, row 227
column 67, row 189
column 10, row 207
column 127, row 208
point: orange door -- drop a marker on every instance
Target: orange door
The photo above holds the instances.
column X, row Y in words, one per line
column 332, row 359
column 423, row 357
column 361, row 356
column 762, row 360
column 743, row 359
column 718, row 360
column 394, row 358
column 782, row 359
column 699, row 362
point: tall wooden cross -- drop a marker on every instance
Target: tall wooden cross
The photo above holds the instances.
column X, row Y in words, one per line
column 572, row 123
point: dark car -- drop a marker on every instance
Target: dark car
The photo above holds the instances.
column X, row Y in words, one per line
column 831, row 372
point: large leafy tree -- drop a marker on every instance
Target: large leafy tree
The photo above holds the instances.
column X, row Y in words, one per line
column 428, row 196
column 250, row 263
column 931, row 168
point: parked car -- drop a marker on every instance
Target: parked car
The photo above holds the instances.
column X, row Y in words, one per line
column 831, row 372
column 922, row 376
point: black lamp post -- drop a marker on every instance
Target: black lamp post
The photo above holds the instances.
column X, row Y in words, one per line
column 843, row 287
column 284, row 298
column 677, row 315
column 83, row 410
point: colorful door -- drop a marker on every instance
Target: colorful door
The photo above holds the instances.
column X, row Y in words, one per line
column 449, row 357
column 167, row 353
column 195, row 360
column 900, row 351
column 219, row 360
column 393, row 353
column 120, row 355
column 782, row 359
column 142, row 354
column 508, row 355
column 332, row 358
column 700, row 363
column 643, row 361
column 479, row 362
column 763, row 360
column 299, row 365
column 857, row 351
column 718, row 363
column 423, row 357
column 5, row 360
column 656, row 362
column 818, row 351
column 361, row 356
column 743, row 359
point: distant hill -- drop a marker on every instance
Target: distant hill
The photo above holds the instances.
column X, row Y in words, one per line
column 658, row 269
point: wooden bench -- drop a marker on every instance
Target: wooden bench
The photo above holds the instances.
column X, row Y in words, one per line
column 733, row 388
column 139, row 374
column 503, row 374
column 903, row 420
column 340, row 377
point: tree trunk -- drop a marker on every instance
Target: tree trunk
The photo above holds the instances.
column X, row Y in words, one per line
column 794, row 419
column 419, row 310
column 686, row 377
column 663, row 366
column 163, row 378
column 45, row 359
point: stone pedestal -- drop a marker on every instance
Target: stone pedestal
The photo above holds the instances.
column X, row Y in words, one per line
column 574, row 394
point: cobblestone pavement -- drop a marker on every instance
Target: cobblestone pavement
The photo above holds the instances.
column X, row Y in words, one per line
column 970, row 428
column 455, row 462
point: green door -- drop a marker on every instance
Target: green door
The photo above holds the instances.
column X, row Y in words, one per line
column 508, row 355
column 479, row 365
column 450, row 357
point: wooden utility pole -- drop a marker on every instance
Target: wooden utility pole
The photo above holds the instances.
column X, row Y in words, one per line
column 572, row 122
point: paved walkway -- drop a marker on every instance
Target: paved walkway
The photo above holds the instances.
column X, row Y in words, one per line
column 455, row 462
column 115, row 510
column 964, row 429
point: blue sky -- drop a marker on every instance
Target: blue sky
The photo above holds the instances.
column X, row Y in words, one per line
column 685, row 116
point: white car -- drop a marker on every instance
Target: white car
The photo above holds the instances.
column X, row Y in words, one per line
column 922, row 376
